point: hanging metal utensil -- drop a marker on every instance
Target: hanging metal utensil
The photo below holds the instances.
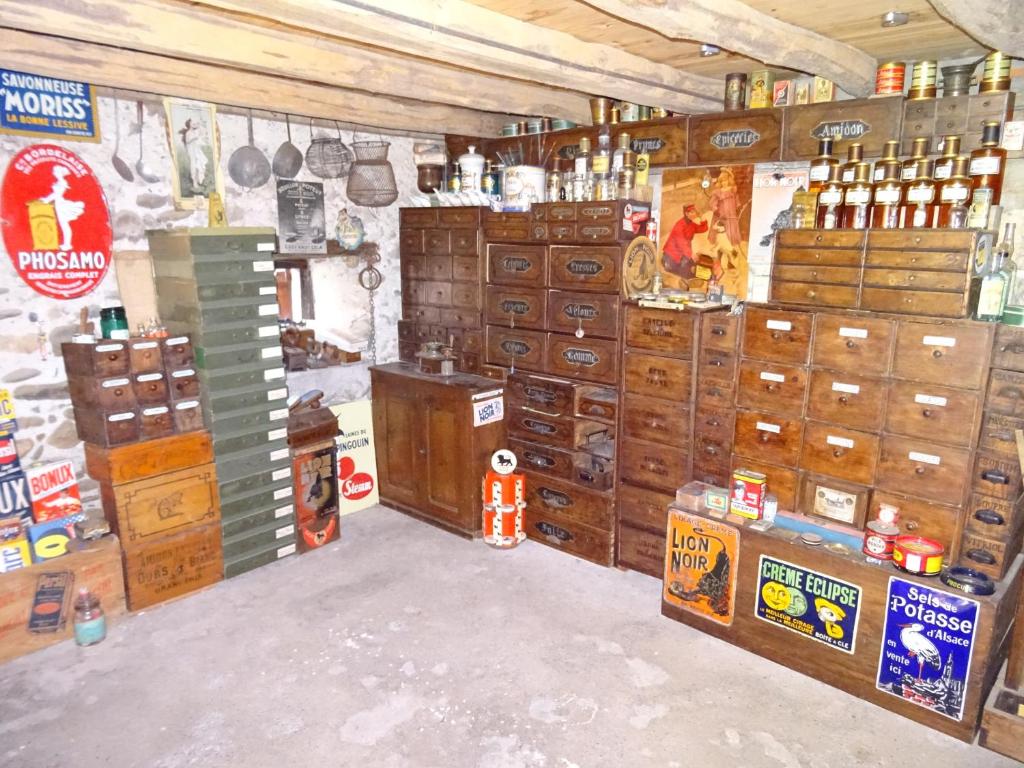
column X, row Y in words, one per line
column 326, row 157
column 122, row 168
column 288, row 158
column 141, row 168
column 247, row 166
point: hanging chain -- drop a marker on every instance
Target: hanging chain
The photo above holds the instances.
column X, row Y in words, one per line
column 370, row 278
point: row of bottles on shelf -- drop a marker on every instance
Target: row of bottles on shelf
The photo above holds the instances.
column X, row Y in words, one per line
column 955, row 191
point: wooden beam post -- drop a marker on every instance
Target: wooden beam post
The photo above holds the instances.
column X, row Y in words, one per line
column 997, row 24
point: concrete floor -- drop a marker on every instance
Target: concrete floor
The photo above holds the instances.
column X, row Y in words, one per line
column 405, row 646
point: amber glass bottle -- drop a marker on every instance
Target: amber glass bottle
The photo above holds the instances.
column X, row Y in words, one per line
column 955, row 196
column 950, row 151
column 830, row 200
column 854, row 155
column 919, row 151
column 890, row 156
column 888, row 207
column 857, row 198
column 919, row 199
column 820, row 165
column 987, row 166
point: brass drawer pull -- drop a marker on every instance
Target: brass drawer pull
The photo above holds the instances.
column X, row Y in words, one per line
column 927, row 413
column 919, row 470
column 838, row 452
column 843, row 399
column 716, row 331
column 937, row 353
column 850, row 344
column 911, row 525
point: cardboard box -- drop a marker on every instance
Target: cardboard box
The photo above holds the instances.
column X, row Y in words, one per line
column 15, row 553
column 782, row 93
column 749, row 489
column 8, row 422
column 52, row 538
column 824, row 90
column 761, row 88
column 53, row 489
column 14, row 497
column 9, row 463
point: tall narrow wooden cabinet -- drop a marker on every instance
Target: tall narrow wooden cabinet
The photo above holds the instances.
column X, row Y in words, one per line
column 430, row 457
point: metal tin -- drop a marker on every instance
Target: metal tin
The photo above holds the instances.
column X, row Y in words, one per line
column 956, row 80
column 968, row 580
column 628, row 112
column 762, row 88
column 888, row 514
column 923, row 80
column 996, row 75
column 735, row 91
column 890, row 77
column 879, row 540
column 918, row 555
column 645, row 113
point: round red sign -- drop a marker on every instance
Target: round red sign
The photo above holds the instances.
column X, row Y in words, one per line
column 55, row 222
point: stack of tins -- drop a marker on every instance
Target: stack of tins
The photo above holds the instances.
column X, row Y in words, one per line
column 311, row 433
column 504, row 494
column 160, row 497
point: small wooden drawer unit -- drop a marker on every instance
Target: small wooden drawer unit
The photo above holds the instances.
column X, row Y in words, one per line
column 923, row 469
column 994, row 517
column 555, row 397
column 772, row 387
column 839, row 452
column 848, row 399
column 524, row 265
column 653, row 465
column 663, row 331
column 768, row 437
column 516, row 307
column 587, row 359
column 542, row 458
column 548, row 495
column 656, row 376
column 860, row 344
column 943, row 353
column 516, row 348
column 655, row 420
column 584, row 268
column 777, row 335
column 932, row 412
column 592, row 314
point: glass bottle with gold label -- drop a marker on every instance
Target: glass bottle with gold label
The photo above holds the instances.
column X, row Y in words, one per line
column 619, row 154
column 854, row 155
column 890, row 156
column 986, row 170
column 857, row 198
column 830, row 200
column 955, row 196
column 950, row 151
column 919, row 199
column 820, row 165
column 919, row 151
column 888, row 203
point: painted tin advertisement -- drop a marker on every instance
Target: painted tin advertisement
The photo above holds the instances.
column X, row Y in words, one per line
column 927, row 645
column 809, row 603
column 701, row 563
column 47, row 107
column 357, row 458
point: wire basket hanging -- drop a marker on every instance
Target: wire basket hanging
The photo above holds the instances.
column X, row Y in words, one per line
column 371, row 181
column 328, row 158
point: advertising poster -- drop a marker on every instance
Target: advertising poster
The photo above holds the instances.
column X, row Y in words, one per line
column 47, row 107
column 301, row 222
column 705, row 228
column 56, row 225
column 809, row 603
column 195, row 152
column 774, row 185
column 357, row 459
column 701, row 563
column 927, row 644
column 316, row 497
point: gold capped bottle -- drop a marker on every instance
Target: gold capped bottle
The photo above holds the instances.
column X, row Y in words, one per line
column 854, row 155
column 950, row 151
column 988, row 163
column 857, row 198
column 954, row 195
column 886, row 213
column 919, row 200
column 830, row 200
column 919, row 151
column 821, row 165
column 890, row 156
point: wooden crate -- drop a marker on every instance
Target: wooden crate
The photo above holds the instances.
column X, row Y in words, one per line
column 1002, row 729
column 153, row 457
column 172, row 566
column 97, row 565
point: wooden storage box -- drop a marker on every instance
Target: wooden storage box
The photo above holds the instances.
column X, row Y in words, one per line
column 101, row 360
column 142, row 460
column 113, row 394
column 108, row 429
column 171, row 566
column 145, row 355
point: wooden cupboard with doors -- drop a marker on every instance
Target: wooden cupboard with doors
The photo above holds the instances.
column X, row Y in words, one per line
column 430, row 457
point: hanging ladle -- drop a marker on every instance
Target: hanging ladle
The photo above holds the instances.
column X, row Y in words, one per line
column 144, row 171
column 120, row 165
column 288, row 158
column 247, row 166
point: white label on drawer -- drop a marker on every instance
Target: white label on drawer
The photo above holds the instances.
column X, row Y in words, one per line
column 850, row 389
column 144, row 345
column 268, row 290
column 939, row 341
column 930, row 400
column 842, row 442
column 277, row 434
column 984, row 165
column 271, row 352
column 277, row 394
column 158, row 411
column 853, row 333
column 284, row 511
column 280, row 413
column 280, row 453
column 109, row 347
column 187, row 405
column 280, row 474
column 273, row 373
column 285, row 530
column 115, row 383
column 263, row 247
column 268, row 309
column 282, row 493
column 285, row 551
column 925, row 458
column 779, row 325
column 183, row 373
column 149, row 376
column 488, row 394
column 767, row 376
column 887, row 196
column 765, row 427
column 263, row 266
column 121, row 416
column 175, row 341
column 268, row 330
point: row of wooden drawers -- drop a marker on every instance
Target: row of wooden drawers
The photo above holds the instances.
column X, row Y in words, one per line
column 460, row 338
column 587, row 359
column 553, row 310
column 465, row 216
column 439, row 242
column 562, row 397
column 569, row 518
column 913, row 301
column 462, row 269
column 888, row 239
column 432, row 293
column 571, row 267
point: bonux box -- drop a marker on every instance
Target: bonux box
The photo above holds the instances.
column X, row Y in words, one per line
column 749, row 489
column 53, row 489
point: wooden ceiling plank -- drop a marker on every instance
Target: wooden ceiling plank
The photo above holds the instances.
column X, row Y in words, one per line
column 149, row 73
column 735, row 26
column 478, row 38
column 203, row 34
column 996, row 24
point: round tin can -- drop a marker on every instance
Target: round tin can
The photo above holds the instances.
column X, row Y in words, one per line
column 996, row 75
column 735, row 91
column 888, row 514
column 889, row 78
column 956, row 79
column 879, row 539
column 923, row 80
column 918, row 555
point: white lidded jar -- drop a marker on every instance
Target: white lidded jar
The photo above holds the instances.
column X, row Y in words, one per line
column 472, row 165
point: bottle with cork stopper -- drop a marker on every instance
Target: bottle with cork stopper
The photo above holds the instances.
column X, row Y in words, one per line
column 854, row 155
column 890, row 157
column 919, row 200
column 857, row 198
column 918, row 151
column 988, row 163
column 954, row 196
column 950, row 151
column 830, row 200
column 821, row 164
column 888, row 207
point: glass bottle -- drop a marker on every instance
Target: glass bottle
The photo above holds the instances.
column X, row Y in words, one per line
column 857, row 198
column 820, row 166
column 600, row 164
column 919, row 198
column 995, row 284
column 854, row 155
column 950, row 151
column 986, row 171
column 582, row 171
column 90, row 621
column 618, row 157
column 830, row 200
column 625, row 183
column 888, row 198
column 890, row 156
column 919, row 151
column 954, row 196
column 114, row 322
column 455, row 180
column 487, row 181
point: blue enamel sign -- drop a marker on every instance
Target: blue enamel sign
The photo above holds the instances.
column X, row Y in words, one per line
column 926, row 646
column 34, row 105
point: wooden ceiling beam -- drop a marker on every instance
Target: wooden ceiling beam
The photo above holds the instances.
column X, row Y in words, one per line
column 481, row 39
column 206, row 35
column 996, row 24
column 735, row 26
column 148, row 73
